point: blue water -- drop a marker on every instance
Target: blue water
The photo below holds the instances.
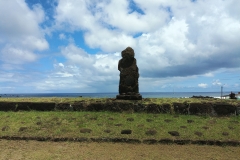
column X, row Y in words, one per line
column 113, row 95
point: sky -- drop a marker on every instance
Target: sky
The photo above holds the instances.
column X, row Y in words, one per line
column 73, row 46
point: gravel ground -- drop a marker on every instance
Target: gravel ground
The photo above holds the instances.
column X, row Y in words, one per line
column 16, row 150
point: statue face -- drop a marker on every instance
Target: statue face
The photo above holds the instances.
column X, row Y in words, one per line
column 128, row 52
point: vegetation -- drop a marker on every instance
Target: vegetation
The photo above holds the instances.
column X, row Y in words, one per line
column 108, row 124
column 103, row 100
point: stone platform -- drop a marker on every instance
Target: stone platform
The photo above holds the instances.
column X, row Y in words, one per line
column 129, row 97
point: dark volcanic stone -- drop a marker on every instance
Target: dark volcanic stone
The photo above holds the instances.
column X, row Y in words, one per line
column 150, row 141
column 107, row 131
column 183, row 127
column 128, row 84
column 230, row 127
column 225, row 133
column 180, row 108
column 174, row 133
column 126, row 131
column 151, row 132
column 182, row 141
column 198, row 133
column 22, row 129
column 224, row 109
column 85, row 130
column 149, row 120
column 167, row 120
column 204, row 127
column 93, row 118
column 200, row 108
column 39, row 123
column 166, row 141
column 190, row 121
column 140, row 125
column 130, row 119
column 5, row 128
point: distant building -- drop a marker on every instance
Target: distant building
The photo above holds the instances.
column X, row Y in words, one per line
column 237, row 96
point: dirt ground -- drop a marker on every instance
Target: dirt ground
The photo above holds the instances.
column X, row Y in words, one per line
column 16, row 150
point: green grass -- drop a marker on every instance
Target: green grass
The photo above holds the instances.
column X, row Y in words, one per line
column 103, row 100
column 68, row 124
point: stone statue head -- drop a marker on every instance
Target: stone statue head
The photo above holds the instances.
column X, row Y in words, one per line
column 128, row 52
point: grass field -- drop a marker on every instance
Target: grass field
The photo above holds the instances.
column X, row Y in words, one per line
column 107, row 124
column 141, row 126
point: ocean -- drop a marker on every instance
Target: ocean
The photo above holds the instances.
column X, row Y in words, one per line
column 113, row 95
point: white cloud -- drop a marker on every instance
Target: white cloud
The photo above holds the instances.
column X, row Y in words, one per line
column 82, row 72
column 13, row 55
column 216, row 82
column 209, row 74
column 20, row 33
column 176, row 39
column 62, row 36
column 77, row 55
column 202, row 85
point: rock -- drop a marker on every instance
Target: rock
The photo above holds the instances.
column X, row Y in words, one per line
column 199, row 134
column 130, row 119
column 107, row 131
column 85, row 130
column 128, row 84
column 21, row 129
column 230, row 127
column 167, row 120
column 205, row 127
column 151, row 132
column 225, row 133
column 190, row 121
column 174, row 133
column 183, row 127
column 5, row 128
column 126, row 131
column 149, row 120
column 39, row 123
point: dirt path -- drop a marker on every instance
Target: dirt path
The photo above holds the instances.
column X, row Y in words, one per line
column 15, row 150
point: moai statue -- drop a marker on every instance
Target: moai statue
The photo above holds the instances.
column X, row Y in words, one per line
column 128, row 84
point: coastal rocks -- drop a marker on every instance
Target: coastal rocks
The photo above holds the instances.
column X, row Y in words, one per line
column 128, row 84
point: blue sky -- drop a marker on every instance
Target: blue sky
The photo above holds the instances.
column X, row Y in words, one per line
column 49, row 46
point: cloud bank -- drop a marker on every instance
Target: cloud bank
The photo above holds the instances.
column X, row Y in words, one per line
column 175, row 42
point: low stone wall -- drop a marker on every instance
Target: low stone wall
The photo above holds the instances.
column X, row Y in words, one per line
column 212, row 109
column 27, row 106
column 127, row 140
